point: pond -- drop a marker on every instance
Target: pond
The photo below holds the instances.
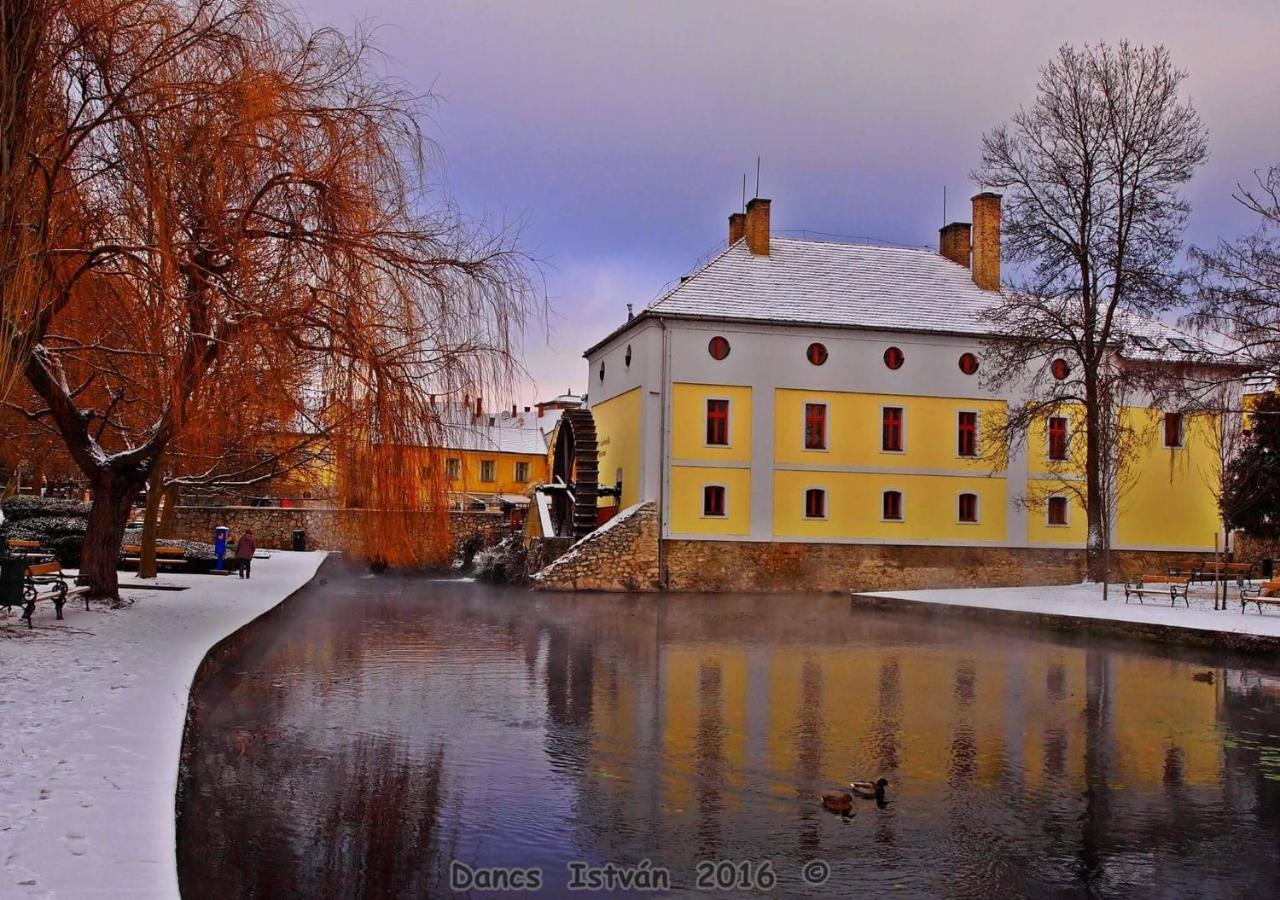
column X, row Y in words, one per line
column 395, row 737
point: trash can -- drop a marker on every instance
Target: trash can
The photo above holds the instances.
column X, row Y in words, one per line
column 220, row 535
column 299, row 540
column 1268, row 567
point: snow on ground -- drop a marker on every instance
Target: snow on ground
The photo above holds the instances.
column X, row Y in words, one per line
column 91, row 716
column 1085, row 601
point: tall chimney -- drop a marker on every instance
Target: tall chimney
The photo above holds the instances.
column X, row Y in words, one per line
column 479, row 407
column 953, row 242
column 986, row 241
column 757, row 232
column 737, row 227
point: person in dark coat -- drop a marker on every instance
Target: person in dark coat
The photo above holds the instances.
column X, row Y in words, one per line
column 245, row 548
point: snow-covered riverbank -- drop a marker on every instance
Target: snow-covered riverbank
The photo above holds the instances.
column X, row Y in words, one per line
column 91, row 716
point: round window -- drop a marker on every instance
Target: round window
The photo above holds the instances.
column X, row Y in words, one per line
column 894, row 358
column 968, row 363
column 602, row 371
column 1060, row 369
column 718, row 347
column 816, row 354
column 627, row 358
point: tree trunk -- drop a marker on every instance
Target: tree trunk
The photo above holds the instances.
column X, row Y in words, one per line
column 113, row 494
column 147, row 567
column 169, row 512
column 1095, row 502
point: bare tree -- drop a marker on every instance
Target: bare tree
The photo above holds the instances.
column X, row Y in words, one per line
column 1091, row 175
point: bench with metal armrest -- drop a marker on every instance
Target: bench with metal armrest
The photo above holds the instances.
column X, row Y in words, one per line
column 26, row 585
column 1265, row 592
column 165, row 556
column 1171, row 586
column 1224, row 571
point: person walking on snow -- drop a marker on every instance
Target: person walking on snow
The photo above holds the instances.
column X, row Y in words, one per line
column 245, row 548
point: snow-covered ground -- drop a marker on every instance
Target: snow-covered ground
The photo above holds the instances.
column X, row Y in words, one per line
column 1085, row 601
column 91, row 716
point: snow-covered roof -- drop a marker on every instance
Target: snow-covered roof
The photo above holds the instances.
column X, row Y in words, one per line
column 499, row 432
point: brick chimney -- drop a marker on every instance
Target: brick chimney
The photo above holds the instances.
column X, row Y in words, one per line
column 737, row 227
column 953, row 242
column 986, row 241
column 479, row 407
column 757, row 231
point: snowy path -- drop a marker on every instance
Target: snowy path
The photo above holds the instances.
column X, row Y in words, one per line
column 1085, row 601
column 91, row 716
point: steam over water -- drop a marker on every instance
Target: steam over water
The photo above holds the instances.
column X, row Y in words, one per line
column 374, row 730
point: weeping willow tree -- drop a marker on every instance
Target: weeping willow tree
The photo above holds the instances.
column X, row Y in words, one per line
column 235, row 197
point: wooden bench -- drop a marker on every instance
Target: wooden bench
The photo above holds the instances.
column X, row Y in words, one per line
column 1172, row 586
column 26, row 586
column 1226, row 571
column 165, row 556
column 19, row 549
column 1263, row 593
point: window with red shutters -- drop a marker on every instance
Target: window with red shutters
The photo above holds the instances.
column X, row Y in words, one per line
column 815, row 503
column 967, row 436
column 893, row 505
column 718, row 423
column 968, row 508
column 713, row 500
column 891, row 431
column 1057, row 437
column 1173, row 429
column 1057, row 510
column 815, row 426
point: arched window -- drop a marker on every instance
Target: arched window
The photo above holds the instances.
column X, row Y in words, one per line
column 815, row 503
column 894, row 358
column 892, row 506
column 713, row 501
column 968, row 363
column 816, row 354
column 718, row 347
column 968, row 508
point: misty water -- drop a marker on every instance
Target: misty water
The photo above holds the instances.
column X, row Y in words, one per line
column 373, row 730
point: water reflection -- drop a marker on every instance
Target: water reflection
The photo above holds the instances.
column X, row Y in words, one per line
column 375, row 729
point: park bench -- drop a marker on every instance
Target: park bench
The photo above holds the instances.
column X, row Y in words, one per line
column 165, row 556
column 1263, row 593
column 26, row 585
column 1225, row 571
column 31, row 550
column 1171, row 586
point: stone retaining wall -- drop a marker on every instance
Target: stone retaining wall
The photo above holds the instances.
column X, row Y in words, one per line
column 621, row 555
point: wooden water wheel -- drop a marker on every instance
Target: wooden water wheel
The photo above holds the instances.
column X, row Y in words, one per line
column 575, row 475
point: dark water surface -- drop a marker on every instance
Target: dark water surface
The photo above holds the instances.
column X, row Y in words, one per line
column 376, row 728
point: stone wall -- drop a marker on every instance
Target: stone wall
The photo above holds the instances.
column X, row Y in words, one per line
column 791, row 567
column 621, row 555
column 273, row 526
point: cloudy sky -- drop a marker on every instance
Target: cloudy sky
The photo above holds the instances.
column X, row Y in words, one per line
column 618, row 133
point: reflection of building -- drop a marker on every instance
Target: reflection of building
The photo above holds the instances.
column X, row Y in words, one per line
column 826, row 396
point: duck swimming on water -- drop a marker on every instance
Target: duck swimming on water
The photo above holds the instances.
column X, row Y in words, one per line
column 837, row 801
column 869, row 790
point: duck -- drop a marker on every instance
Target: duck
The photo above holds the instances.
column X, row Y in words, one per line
column 869, row 790
column 837, row 801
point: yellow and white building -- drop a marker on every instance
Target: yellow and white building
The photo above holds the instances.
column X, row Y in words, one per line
column 810, row 392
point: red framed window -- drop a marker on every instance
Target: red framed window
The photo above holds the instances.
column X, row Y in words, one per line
column 967, row 434
column 718, row 423
column 815, row 503
column 1057, row 437
column 891, row 429
column 968, row 363
column 892, row 506
column 816, row 354
column 968, row 511
column 894, row 358
column 713, row 500
column 815, row 426
column 1060, row 369
column 1173, row 429
column 718, row 347
column 1057, row 510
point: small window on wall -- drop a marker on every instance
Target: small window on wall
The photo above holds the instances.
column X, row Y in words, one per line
column 602, row 370
column 968, row 508
column 815, row 503
column 967, row 434
column 1057, row 437
column 1173, row 429
column 891, row 429
column 488, row 470
column 718, row 423
column 968, row 363
column 815, row 426
column 1057, row 511
column 816, row 354
column 713, row 501
column 522, row 472
column 627, row 359
column 718, row 347
column 453, row 469
column 894, row 358
column 1060, row 369
column 892, row 506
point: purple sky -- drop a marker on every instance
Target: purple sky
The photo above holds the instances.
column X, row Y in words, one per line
column 619, row 132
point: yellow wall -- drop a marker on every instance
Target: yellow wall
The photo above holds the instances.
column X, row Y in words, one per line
column 505, row 471
column 618, row 422
column 1039, row 531
column 1171, row 501
column 689, row 422
column 854, row 430
column 687, row 483
column 930, row 506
